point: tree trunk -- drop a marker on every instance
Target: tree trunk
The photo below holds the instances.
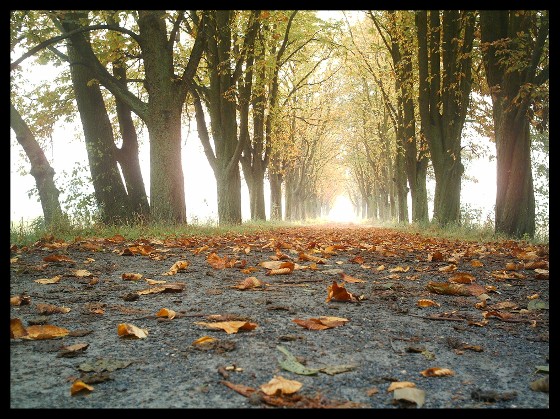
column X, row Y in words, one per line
column 127, row 155
column 420, row 193
column 511, row 72
column 275, row 180
column 228, row 185
column 443, row 99
column 110, row 192
column 41, row 170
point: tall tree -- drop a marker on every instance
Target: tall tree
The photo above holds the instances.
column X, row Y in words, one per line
column 445, row 41
column 225, row 66
column 514, row 48
column 41, row 170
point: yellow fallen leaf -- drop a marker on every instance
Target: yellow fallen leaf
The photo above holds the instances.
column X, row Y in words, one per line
column 250, row 282
column 400, row 384
column 47, row 331
column 280, row 385
column 475, row 263
column 229, row 327
column 78, row 386
column 164, row 312
column 399, row 269
column 426, row 303
column 448, row 268
column 52, row 280
column 81, row 273
column 203, row 340
column 129, row 330
column 154, row 282
column 380, row 268
column 349, row 278
column 180, row 265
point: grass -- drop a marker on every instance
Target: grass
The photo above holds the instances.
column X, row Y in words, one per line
column 27, row 234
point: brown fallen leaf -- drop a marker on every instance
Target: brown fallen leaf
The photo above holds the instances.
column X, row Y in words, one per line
column 437, row 372
column 475, row 263
column 462, row 278
column 311, row 258
column 50, row 309
column 58, row 258
column 435, row 257
column 283, row 268
column 20, row 300
column 230, row 326
column 321, row 323
column 130, row 331
column 448, row 268
column 250, row 282
column 349, row 278
column 17, row 330
column 180, row 265
column 128, row 276
column 204, row 340
column 81, row 273
column 338, row 293
column 280, row 385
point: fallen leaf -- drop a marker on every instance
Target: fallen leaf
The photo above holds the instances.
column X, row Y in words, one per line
column 250, row 282
column 82, row 273
column 427, row 303
column 540, row 385
column 476, row 263
column 349, row 278
column 50, row 309
column 17, row 330
column 129, row 330
column 230, row 326
column 73, row 350
column 338, row 369
column 283, row 268
column 409, row 395
column 180, row 265
column 311, row 258
column 20, row 300
column 131, row 276
column 57, row 258
column 52, row 280
column 47, row 331
column 321, row 323
column 437, row 372
column 400, row 384
column 399, row 269
column 462, row 278
column 448, row 268
column 541, row 273
column 78, row 386
column 164, row 312
column 293, row 365
column 204, row 340
column 435, row 257
column 280, row 385
column 338, row 293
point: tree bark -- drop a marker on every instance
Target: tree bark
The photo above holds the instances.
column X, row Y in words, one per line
column 109, row 189
column 443, row 98
column 41, row 170
column 508, row 80
column 275, row 180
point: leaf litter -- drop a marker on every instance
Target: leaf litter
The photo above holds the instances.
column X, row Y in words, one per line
column 493, row 295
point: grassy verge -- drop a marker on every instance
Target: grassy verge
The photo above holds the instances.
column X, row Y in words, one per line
column 23, row 235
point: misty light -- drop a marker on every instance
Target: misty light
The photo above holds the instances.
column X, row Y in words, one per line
column 342, row 210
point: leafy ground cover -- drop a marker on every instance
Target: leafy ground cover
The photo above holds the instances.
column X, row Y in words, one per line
column 330, row 316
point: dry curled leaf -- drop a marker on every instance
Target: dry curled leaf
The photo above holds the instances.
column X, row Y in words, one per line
column 79, row 386
column 17, row 330
column 57, row 258
column 165, row 312
column 281, row 386
column 52, row 280
column 50, row 309
column 128, row 276
column 462, row 278
column 400, row 384
column 20, row 300
column 321, row 323
column 437, row 372
column 248, row 283
column 204, row 340
column 180, row 265
column 47, row 331
column 427, row 303
column 131, row 331
column 349, row 278
column 229, row 326
column 338, row 293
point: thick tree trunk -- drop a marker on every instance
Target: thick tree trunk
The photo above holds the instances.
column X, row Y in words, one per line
column 127, row 155
column 401, row 189
column 228, row 185
column 110, row 192
column 419, row 193
column 41, row 170
column 275, row 180
column 511, row 71
column 255, row 183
